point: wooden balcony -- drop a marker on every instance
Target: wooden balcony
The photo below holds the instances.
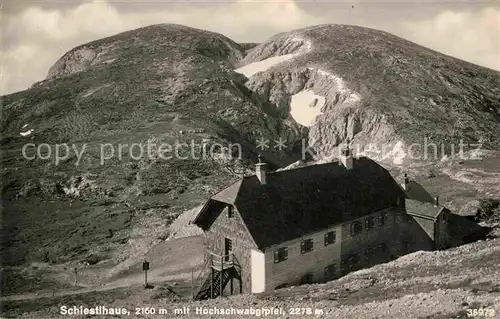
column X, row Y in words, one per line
column 221, row 262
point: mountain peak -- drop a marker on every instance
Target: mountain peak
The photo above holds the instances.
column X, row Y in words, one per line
column 143, row 44
column 378, row 88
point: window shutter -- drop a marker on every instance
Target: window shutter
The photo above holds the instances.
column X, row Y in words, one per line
column 276, row 256
column 285, row 253
column 303, row 247
column 326, row 239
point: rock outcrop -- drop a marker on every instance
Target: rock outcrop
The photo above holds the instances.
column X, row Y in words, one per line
column 381, row 91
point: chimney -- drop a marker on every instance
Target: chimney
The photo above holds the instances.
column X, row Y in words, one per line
column 346, row 155
column 436, row 201
column 260, row 171
column 406, row 182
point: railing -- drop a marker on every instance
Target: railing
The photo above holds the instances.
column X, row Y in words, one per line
column 219, row 262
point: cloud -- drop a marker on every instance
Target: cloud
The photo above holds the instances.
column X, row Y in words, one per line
column 469, row 35
column 35, row 38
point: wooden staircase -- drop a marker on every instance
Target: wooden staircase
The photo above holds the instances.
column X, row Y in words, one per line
column 215, row 275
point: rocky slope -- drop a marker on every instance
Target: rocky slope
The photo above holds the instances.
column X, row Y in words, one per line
column 380, row 90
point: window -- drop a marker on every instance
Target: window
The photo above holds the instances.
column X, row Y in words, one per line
column 330, row 238
column 228, row 243
column 230, row 211
column 369, row 223
column 228, row 248
column 306, row 246
column 382, row 219
column 280, row 255
column 356, row 228
column 330, row 272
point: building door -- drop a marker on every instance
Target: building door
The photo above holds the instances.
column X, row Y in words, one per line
column 228, row 248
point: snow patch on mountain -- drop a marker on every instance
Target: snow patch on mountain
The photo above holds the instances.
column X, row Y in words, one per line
column 305, row 106
column 398, row 154
column 27, row 133
column 296, row 45
column 261, row 66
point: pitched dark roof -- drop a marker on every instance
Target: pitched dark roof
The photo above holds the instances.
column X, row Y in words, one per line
column 423, row 209
column 418, row 192
column 229, row 194
column 296, row 202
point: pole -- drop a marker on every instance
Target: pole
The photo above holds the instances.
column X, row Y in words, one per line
column 192, row 282
column 76, row 277
column 231, row 285
column 221, row 275
column 145, row 267
column 212, row 283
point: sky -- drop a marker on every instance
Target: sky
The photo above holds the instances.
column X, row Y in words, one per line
column 37, row 33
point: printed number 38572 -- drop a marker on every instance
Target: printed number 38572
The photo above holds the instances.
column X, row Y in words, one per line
column 481, row 312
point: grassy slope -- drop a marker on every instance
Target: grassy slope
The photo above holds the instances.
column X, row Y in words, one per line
column 164, row 84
